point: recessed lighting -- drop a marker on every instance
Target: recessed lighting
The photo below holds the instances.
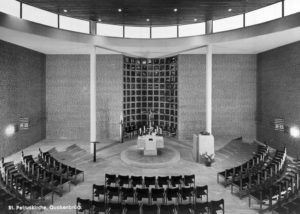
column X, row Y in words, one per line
column 99, row 20
column 230, row 9
column 148, row 20
column 119, row 10
column 65, row 10
column 175, row 10
column 195, row 20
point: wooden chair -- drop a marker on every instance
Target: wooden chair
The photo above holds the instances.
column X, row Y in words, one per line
column 216, row 206
column 201, row 191
column 84, row 204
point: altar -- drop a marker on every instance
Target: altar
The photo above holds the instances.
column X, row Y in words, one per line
column 150, row 144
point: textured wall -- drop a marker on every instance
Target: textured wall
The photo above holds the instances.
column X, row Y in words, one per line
column 191, row 95
column 68, row 97
column 279, row 95
column 22, row 94
column 234, row 95
column 110, row 95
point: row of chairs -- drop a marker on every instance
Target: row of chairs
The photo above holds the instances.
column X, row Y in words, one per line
column 95, row 207
column 147, row 181
column 39, row 173
column 48, row 161
column 256, row 162
column 28, row 189
column 291, row 207
column 9, row 197
column 180, row 195
column 279, row 191
column 248, row 180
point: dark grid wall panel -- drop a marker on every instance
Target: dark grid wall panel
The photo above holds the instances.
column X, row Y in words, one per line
column 150, row 85
column 278, row 78
column 68, row 96
column 22, row 94
column 233, row 101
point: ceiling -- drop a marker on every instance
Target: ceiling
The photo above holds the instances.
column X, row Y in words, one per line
column 159, row 12
column 242, row 46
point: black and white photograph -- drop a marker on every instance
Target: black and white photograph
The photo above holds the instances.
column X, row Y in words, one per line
column 150, row 106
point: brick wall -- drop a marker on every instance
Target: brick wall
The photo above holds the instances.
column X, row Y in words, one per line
column 278, row 95
column 234, row 95
column 233, row 101
column 68, row 96
column 22, row 94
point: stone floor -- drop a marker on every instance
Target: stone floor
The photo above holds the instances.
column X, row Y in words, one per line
column 228, row 154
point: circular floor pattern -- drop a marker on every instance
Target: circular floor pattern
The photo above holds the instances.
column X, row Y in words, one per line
column 165, row 157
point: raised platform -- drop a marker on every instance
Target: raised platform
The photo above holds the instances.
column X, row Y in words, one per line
column 165, row 157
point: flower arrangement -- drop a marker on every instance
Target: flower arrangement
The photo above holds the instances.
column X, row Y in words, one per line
column 207, row 159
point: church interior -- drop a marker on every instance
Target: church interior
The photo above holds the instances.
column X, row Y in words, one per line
column 150, row 107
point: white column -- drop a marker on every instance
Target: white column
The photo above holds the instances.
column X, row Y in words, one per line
column 93, row 121
column 209, row 89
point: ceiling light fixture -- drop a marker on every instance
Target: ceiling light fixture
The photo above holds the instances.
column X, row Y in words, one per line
column 175, row 10
column 195, row 20
column 99, row 20
column 65, row 10
column 230, row 9
column 148, row 20
column 119, row 10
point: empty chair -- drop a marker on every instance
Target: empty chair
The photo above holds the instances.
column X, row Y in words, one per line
column 132, row 208
column 84, row 204
column 201, row 191
column 167, row 209
column 127, row 192
column 136, row 180
column 148, row 181
column 216, row 206
column 157, row 194
column 176, row 181
column 163, row 181
column 98, row 207
column 112, row 192
column 189, row 180
column 185, row 208
column 201, row 208
column 187, row 193
column 149, row 209
column 99, row 191
column 172, row 193
column 142, row 193
column 123, row 180
column 115, row 208
column 110, row 179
